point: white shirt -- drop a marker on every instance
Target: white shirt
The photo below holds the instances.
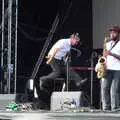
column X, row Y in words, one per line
column 64, row 47
column 112, row 62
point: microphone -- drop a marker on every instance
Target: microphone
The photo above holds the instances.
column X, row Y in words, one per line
column 78, row 51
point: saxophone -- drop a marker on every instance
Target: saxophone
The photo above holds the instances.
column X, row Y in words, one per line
column 101, row 65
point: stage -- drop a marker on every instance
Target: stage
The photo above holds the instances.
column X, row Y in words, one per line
column 48, row 115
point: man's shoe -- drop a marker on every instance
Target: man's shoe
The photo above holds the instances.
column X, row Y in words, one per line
column 81, row 82
column 116, row 109
column 108, row 109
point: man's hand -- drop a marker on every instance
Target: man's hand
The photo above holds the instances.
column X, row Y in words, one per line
column 106, row 53
column 97, row 67
column 51, row 56
column 48, row 61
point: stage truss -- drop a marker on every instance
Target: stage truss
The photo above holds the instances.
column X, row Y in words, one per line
column 8, row 44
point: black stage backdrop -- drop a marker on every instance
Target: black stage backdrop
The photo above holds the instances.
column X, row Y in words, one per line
column 34, row 23
column 35, row 20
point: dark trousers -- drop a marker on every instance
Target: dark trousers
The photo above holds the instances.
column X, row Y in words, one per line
column 110, row 90
column 58, row 68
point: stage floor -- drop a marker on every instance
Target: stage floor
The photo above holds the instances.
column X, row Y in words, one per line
column 47, row 115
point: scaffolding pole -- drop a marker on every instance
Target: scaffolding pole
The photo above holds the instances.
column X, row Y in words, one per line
column 9, row 43
column 3, row 21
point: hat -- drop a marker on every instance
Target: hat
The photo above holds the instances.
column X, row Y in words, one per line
column 75, row 36
column 115, row 28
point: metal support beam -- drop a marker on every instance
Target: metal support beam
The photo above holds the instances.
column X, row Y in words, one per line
column 9, row 43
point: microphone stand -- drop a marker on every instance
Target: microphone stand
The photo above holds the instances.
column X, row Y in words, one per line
column 92, row 65
column 68, row 60
column 92, row 77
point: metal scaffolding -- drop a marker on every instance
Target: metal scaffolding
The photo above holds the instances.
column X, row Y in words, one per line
column 8, row 36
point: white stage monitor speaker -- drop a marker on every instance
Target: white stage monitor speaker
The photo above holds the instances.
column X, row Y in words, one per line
column 60, row 100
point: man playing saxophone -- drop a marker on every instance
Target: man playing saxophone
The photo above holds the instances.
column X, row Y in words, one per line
column 110, row 83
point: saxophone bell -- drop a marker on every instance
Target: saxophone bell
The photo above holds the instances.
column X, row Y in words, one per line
column 102, row 60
